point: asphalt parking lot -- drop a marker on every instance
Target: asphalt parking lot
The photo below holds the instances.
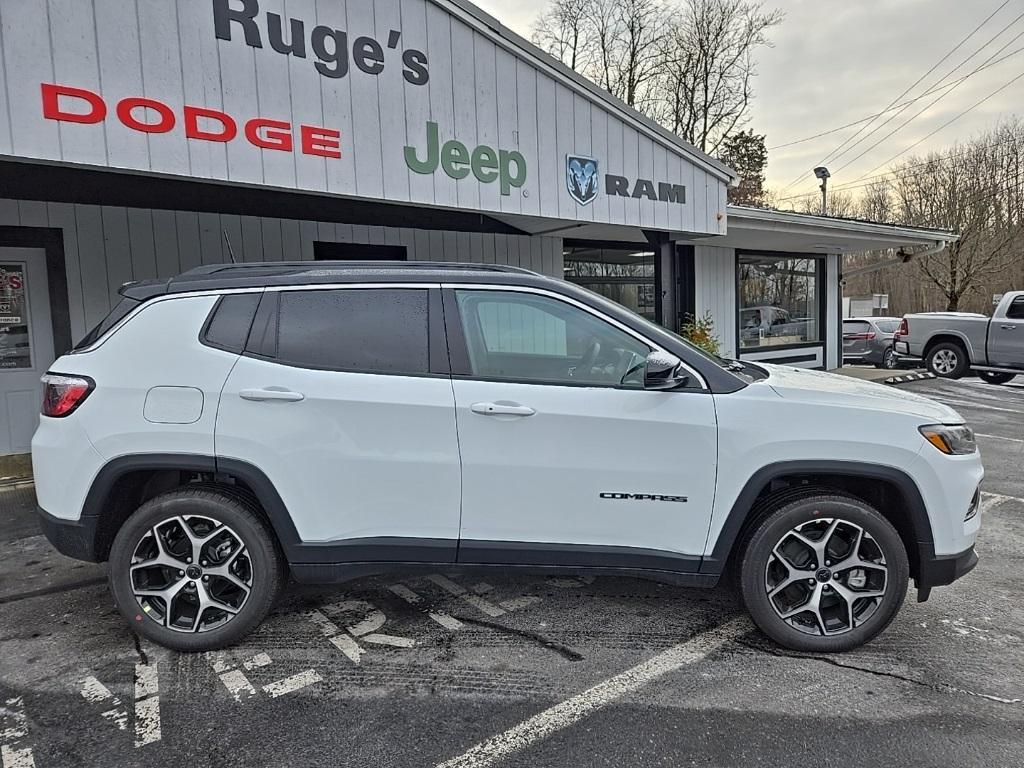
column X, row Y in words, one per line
column 428, row 670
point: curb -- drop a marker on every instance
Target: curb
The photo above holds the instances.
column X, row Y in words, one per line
column 909, row 377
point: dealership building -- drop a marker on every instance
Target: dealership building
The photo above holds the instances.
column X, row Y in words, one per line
column 141, row 139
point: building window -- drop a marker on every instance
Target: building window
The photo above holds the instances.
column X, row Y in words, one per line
column 324, row 251
column 779, row 300
column 624, row 275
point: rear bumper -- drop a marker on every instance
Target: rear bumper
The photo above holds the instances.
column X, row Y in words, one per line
column 74, row 538
column 940, row 570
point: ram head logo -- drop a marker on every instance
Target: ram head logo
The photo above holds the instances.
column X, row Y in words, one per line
column 581, row 178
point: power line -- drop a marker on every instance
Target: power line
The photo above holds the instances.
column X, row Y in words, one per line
column 914, row 117
column 903, row 172
column 947, row 123
column 844, row 143
column 929, row 92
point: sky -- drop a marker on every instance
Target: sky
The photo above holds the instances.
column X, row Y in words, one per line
column 837, row 61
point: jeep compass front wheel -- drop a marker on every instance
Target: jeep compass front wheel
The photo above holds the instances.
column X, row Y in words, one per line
column 824, row 573
column 194, row 569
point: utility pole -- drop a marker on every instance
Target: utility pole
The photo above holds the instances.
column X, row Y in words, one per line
column 822, row 173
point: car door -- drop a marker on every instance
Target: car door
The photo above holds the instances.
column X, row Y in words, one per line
column 343, row 399
column 1006, row 337
column 566, row 459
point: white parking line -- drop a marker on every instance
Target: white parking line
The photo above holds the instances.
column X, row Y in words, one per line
column 13, row 729
column 147, row 704
column 96, row 692
column 476, row 601
column 573, row 710
column 999, row 437
column 16, row 758
column 412, row 598
column 292, row 684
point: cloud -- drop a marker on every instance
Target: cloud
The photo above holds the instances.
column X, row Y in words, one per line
column 836, row 61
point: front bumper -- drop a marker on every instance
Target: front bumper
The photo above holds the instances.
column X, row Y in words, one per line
column 939, row 570
column 74, row 538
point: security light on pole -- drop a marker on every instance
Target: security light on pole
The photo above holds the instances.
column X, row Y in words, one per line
column 822, row 173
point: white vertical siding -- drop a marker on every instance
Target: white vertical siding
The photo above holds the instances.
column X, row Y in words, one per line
column 106, row 246
column 715, row 279
column 833, row 297
column 482, row 89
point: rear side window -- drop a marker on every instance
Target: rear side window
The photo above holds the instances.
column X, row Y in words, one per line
column 888, row 326
column 117, row 314
column 229, row 323
column 368, row 330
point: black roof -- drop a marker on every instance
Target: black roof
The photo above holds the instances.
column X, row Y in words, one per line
column 267, row 273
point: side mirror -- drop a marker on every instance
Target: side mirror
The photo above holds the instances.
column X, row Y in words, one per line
column 664, row 371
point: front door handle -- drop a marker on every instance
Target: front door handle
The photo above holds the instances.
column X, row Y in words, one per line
column 271, row 394
column 501, row 409
column 1007, row 327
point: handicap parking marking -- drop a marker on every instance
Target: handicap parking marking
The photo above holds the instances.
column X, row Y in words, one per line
column 232, row 674
column 417, row 601
column 97, row 693
column 15, row 752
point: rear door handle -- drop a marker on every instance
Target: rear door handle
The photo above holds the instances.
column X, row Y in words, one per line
column 500, row 409
column 1007, row 327
column 271, row 394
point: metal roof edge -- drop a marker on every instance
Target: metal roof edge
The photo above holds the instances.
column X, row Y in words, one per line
column 861, row 226
column 501, row 34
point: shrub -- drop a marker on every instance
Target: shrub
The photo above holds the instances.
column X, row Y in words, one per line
column 700, row 331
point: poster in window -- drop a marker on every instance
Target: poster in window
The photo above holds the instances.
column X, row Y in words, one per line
column 15, row 351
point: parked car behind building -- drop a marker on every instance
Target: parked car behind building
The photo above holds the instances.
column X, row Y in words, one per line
column 869, row 340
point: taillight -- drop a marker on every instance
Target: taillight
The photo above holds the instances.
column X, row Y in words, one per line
column 860, row 336
column 904, row 328
column 63, row 393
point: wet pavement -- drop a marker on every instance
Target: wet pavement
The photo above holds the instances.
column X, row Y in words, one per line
column 421, row 670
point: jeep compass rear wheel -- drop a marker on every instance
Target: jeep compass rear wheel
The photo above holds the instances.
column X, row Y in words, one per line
column 194, row 569
column 824, row 573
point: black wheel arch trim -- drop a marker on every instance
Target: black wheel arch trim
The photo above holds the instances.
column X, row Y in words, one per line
column 744, row 504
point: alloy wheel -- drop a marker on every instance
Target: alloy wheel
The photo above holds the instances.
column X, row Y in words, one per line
column 945, row 361
column 191, row 573
column 889, row 359
column 826, row 577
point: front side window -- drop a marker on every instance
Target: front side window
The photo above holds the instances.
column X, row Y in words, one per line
column 1016, row 309
column 369, row 330
column 779, row 300
column 531, row 338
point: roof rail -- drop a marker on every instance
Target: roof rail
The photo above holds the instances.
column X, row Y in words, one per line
column 294, row 267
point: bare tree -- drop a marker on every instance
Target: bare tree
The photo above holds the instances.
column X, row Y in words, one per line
column 706, row 86
column 562, row 31
column 688, row 64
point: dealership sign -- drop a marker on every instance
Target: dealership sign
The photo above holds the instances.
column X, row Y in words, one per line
column 330, row 47
column 80, row 105
column 581, row 181
column 506, row 166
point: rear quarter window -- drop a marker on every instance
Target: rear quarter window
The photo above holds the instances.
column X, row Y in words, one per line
column 228, row 325
column 116, row 315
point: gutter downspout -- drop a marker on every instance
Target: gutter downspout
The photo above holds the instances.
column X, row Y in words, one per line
column 901, row 258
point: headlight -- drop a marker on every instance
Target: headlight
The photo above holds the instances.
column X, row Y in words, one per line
column 951, row 440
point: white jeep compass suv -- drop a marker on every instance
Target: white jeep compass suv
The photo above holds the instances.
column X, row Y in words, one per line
column 240, row 424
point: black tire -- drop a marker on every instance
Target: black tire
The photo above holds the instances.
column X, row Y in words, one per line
column 947, row 360
column 267, row 571
column 758, row 556
column 889, row 361
column 995, row 377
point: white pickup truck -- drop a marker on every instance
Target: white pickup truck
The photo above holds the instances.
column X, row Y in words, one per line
column 951, row 343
